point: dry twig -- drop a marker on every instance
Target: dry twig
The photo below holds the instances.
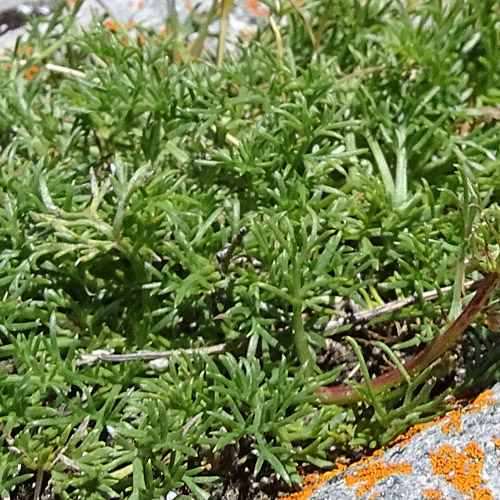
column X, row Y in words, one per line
column 360, row 72
column 396, row 305
column 107, row 356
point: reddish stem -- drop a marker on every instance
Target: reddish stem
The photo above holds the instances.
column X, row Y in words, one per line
column 344, row 394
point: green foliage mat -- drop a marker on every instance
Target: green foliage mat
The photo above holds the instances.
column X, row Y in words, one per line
column 121, row 185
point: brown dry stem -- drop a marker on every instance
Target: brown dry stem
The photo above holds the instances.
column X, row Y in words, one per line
column 345, row 394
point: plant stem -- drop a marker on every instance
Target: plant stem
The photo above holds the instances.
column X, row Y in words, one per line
column 401, row 188
column 203, row 31
column 321, row 27
column 468, row 216
column 38, row 484
column 301, row 343
column 224, row 22
column 345, row 394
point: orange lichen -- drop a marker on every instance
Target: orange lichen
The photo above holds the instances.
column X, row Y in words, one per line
column 374, row 495
column 482, row 494
column 23, row 50
column 111, row 25
column 312, row 482
column 141, row 38
column 453, row 422
column 484, row 399
column 496, row 442
column 375, row 454
column 405, row 438
column 436, row 494
column 140, row 5
column 188, row 5
column 256, row 8
column 460, row 469
column 130, row 25
column 367, row 477
column 30, row 73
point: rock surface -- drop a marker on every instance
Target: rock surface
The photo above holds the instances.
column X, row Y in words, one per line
column 455, row 457
column 244, row 19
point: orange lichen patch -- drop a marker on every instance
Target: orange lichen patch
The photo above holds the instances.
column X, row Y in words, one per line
column 141, row 38
column 433, row 494
column 374, row 495
column 130, row 25
column 189, row 5
column 405, row 438
column 482, row 494
column 367, row 477
column 30, row 73
column 311, row 482
column 496, row 442
column 460, row 469
column 140, row 5
column 375, row 454
column 256, row 8
column 484, row 399
column 23, row 50
column 453, row 421
column 111, row 25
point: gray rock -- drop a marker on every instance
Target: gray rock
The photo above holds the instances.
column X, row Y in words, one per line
column 244, row 18
column 456, row 457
